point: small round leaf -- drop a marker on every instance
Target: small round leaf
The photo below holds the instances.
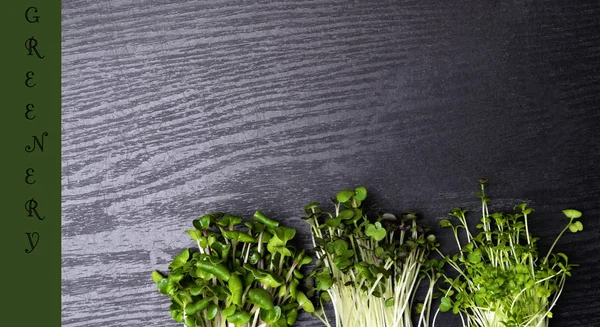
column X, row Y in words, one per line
column 344, row 195
column 360, row 193
column 572, row 213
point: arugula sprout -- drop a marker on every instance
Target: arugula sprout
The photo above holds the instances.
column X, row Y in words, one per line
column 501, row 278
column 241, row 275
column 370, row 270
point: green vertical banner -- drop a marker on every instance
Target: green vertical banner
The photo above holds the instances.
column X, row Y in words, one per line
column 30, row 163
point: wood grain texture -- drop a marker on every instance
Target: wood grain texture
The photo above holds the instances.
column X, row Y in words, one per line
column 172, row 109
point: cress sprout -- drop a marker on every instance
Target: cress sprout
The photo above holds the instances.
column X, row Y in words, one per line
column 370, row 269
column 242, row 275
column 501, row 278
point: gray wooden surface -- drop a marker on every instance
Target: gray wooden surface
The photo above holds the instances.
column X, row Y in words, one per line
column 172, row 109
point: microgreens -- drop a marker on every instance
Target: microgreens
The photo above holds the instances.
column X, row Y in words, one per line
column 240, row 275
column 501, row 279
column 370, row 270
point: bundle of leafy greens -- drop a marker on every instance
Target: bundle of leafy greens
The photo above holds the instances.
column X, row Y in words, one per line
column 501, row 278
column 242, row 275
column 370, row 270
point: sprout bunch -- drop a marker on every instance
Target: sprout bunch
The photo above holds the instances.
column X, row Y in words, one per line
column 242, row 275
column 501, row 278
column 370, row 270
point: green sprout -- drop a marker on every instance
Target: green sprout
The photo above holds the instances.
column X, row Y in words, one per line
column 370, row 269
column 501, row 280
column 240, row 275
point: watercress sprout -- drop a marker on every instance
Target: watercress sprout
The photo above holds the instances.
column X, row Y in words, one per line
column 501, row 279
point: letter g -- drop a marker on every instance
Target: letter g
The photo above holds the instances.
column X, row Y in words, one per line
column 29, row 17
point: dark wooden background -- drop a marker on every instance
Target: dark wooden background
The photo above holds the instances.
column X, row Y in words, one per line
column 172, row 109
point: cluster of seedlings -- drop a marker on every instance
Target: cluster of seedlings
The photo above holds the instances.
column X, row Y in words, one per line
column 384, row 270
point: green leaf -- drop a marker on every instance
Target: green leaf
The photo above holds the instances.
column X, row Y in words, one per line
column 231, row 234
column 254, row 257
column 294, row 288
column 175, row 277
column 239, row 318
column 238, row 236
column 157, row 277
column 521, row 206
column 229, row 220
column 249, row 278
column 180, row 259
column 254, row 226
column 190, row 321
column 164, row 287
column 289, row 306
column 304, row 302
column 445, row 223
column 302, row 259
column 228, row 311
column 195, row 234
column 282, row 322
column 205, row 221
column 333, row 222
column 219, row 270
column 265, row 277
column 201, row 274
column 177, row 315
column 576, row 227
column 340, row 247
column 360, row 193
column 357, row 215
column 475, row 256
column 291, row 316
column 377, row 232
column 281, row 292
column 261, row 298
column 266, row 237
column 261, row 218
column 309, row 207
column 572, row 213
column 362, row 268
column 279, row 249
column 445, row 304
column 346, row 214
column 298, row 274
column 197, row 290
column 192, row 308
column 222, row 250
column 211, row 311
column 236, row 288
column 324, row 281
column 456, row 308
column 243, row 237
column 279, row 240
column 344, row 195
column 418, row 307
column 183, row 296
column 564, row 257
column 285, row 233
column 270, row 316
column 220, row 292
